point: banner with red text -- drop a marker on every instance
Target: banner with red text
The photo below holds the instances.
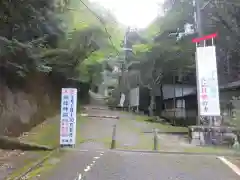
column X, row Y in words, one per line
column 207, row 81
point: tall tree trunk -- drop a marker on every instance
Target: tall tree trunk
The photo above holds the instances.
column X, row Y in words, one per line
column 152, row 103
column 161, row 100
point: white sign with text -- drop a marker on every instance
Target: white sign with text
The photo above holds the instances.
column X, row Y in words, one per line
column 68, row 116
column 207, row 81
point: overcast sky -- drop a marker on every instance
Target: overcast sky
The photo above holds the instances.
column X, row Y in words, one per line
column 136, row 13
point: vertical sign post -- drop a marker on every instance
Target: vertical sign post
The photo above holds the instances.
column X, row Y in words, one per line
column 207, row 79
column 68, row 117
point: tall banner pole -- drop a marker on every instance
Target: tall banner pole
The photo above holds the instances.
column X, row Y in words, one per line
column 207, row 80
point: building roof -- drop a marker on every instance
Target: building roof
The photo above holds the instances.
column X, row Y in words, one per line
column 178, row 90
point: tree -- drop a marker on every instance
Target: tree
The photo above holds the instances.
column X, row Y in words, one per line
column 162, row 56
column 53, row 38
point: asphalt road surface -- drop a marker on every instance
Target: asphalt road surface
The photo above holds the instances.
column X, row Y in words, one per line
column 143, row 166
column 116, row 165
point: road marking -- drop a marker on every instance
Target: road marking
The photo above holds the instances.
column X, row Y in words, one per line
column 230, row 165
column 80, row 177
column 84, row 115
column 87, row 169
column 90, row 166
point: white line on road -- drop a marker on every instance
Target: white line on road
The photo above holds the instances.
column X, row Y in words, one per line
column 90, row 166
column 87, row 168
column 230, row 165
column 80, row 177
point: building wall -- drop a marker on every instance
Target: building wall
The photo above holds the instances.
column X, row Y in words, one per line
column 177, row 90
column 230, row 113
column 134, row 97
column 184, row 112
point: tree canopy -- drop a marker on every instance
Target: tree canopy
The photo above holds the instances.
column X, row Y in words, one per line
column 65, row 37
column 167, row 52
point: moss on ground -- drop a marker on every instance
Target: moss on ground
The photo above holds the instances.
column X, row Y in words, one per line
column 47, row 134
column 163, row 127
column 210, row 150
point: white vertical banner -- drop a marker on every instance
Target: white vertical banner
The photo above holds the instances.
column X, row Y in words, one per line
column 207, row 81
column 68, row 116
column 122, row 99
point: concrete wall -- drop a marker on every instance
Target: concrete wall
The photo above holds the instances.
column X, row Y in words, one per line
column 24, row 107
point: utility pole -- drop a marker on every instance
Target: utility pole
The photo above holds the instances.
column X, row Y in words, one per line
column 126, row 49
column 198, row 17
column 199, row 7
column 123, row 62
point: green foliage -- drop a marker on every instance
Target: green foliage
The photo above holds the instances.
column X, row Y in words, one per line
column 63, row 36
column 141, row 48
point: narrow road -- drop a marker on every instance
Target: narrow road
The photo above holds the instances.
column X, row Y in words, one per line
column 119, row 165
column 73, row 164
column 131, row 166
column 93, row 160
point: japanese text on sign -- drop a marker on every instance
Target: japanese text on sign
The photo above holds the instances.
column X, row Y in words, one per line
column 207, row 80
column 68, row 116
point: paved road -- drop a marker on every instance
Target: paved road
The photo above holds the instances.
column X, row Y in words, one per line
column 99, row 163
column 71, row 165
column 116, row 165
column 146, row 166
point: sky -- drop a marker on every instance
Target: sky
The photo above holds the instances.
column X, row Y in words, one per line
column 134, row 13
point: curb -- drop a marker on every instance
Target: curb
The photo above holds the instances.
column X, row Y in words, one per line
column 111, row 117
column 161, row 132
column 37, row 164
column 180, row 153
column 12, row 143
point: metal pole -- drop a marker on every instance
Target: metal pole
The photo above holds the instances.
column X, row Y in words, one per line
column 113, row 144
column 174, row 99
column 199, row 28
column 155, row 140
column 120, row 80
column 199, row 18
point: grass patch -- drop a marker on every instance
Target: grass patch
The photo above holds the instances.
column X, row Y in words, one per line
column 45, row 134
column 209, row 150
column 141, row 140
column 29, row 162
column 48, row 132
column 47, row 165
column 144, row 143
column 168, row 128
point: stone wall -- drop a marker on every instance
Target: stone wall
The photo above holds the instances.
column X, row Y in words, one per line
column 25, row 106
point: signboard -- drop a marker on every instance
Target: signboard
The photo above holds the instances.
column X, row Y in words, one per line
column 68, row 116
column 134, row 97
column 207, row 81
column 122, row 100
